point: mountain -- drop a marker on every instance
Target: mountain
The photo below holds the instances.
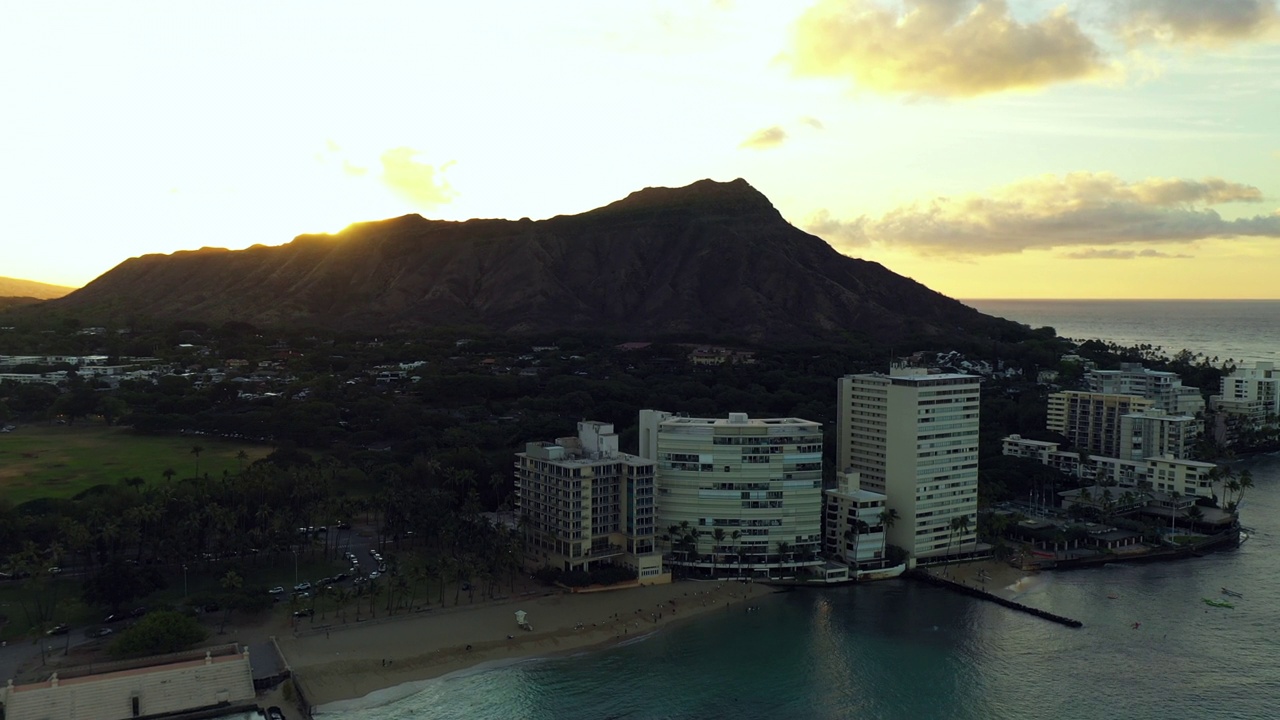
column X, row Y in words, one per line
column 15, row 288
column 711, row 258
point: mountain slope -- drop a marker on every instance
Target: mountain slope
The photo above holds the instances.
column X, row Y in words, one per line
column 709, row 258
column 15, row 288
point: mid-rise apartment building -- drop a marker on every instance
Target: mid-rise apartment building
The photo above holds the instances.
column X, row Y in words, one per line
column 737, row 492
column 1091, row 421
column 1253, row 392
column 1157, row 434
column 585, row 504
column 854, row 524
column 912, row 435
column 1164, row 389
column 1164, row 473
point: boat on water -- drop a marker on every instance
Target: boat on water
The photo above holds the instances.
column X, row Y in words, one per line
column 1217, row 603
column 1232, row 593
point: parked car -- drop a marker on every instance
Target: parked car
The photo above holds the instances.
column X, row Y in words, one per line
column 60, row 629
column 374, row 575
column 113, row 618
column 302, row 587
column 137, row 612
column 55, row 570
column 100, row 632
column 340, row 577
column 305, row 612
column 277, row 590
column 275, row 713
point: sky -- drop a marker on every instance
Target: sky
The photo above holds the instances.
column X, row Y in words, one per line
column 986, row 148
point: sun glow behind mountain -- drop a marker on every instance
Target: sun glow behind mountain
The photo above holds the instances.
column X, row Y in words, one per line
column 865, row 121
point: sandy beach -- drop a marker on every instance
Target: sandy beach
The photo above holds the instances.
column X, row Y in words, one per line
column 1001, row 579
column 357, row 659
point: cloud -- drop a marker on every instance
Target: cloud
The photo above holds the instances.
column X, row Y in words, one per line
column 941, row 48
column 419, row 182
column 769, row 137
column 816, row 124
column 1076, row 210
column 1098, row 254
column 1196, row 22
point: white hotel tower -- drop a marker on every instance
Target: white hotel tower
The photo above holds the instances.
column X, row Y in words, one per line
column 756, row 481
column 913, row 436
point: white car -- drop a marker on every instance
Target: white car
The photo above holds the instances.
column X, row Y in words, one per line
column 277, row 590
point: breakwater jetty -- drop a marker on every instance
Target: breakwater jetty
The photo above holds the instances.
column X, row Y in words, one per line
column 931, row 579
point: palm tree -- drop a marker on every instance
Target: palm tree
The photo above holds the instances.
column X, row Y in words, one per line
column 736, row 535
column 1246, row 482
column 240, row 458
column 1195, row 514
column 718, row 537
column 196, row 450
column 168, row 474
column 888, row 518
column 1232, row 486
column 963, row 527
column 1175, row 496
column 231, row 583
column 784, row 549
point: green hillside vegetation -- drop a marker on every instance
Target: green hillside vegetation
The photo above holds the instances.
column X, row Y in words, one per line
column 55, row 461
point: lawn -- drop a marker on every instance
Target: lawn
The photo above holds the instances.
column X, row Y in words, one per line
column 60, row 461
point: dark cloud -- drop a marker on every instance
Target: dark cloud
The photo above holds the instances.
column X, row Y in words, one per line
column 1112, row 254
column 1196, row 22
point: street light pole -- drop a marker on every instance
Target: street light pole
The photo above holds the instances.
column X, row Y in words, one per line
column 185, row 594
column 295, row 568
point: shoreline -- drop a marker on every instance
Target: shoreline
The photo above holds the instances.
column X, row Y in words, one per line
column 359, row 667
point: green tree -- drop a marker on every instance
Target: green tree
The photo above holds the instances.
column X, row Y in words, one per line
column 888, row 518
column 196, row 450
column 159, row 632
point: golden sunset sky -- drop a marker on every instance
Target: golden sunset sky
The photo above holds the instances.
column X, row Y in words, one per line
column 989, row 149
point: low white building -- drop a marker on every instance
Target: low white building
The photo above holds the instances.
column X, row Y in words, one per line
column 213, row 678
column 853, row 524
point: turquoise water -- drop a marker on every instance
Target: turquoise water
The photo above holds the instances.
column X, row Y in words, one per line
column 903, row 650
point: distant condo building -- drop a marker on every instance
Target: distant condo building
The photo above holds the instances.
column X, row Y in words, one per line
column 585, row 504
column 1091, row 421
column 1250, row 397
column 1156, row 434
column 1164, row 473
column 913, row 436
column 1164, row 389
column 737, row 493
column 855, row 524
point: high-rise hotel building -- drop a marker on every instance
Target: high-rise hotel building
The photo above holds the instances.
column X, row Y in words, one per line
column 584, row 504
column 913, row 436
column 746, row 491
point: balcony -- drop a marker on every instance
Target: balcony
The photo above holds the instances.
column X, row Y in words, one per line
column 596, row 553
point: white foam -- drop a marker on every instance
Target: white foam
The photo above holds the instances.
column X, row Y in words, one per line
column 386, row 696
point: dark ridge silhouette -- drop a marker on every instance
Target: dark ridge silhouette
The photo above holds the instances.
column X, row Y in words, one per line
column 712, row 259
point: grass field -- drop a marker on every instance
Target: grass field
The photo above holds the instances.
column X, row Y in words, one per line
column 60, row 461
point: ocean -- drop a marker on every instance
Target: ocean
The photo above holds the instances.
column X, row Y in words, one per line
column 1242, row 330
column 899, row 649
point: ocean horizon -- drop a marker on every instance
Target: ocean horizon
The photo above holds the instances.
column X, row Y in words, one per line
column 1245, row 331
